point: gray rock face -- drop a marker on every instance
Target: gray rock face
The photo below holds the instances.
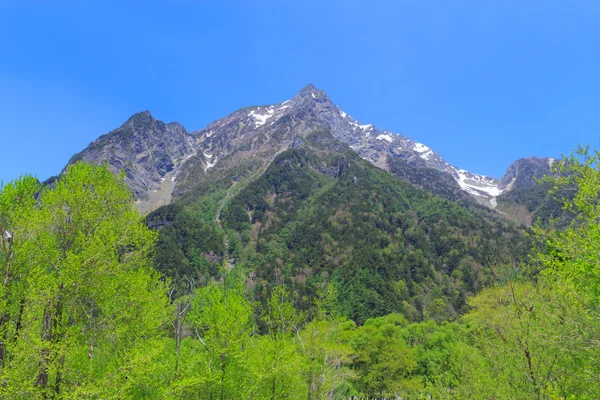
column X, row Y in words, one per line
column 523, row 173
column 145, row 148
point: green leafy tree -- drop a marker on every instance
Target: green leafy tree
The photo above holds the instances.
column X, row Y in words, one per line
column 276, row 364
column 214, row 365
column 384, row 361
column 569, row 258
column 80, row 292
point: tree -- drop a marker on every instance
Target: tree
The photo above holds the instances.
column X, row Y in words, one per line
column 214, row 364
column 276, row 365
column 384, row 361
column 569, row 259
column 80, row 287
column 520, row 330
column 572, row 255
column 17, row 204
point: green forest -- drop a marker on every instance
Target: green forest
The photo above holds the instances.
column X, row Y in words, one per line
column 321, row 278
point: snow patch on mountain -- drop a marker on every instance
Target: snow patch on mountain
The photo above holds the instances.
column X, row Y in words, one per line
column 210, row 165
column 427, row 155
column 385, row 137
column 261, row 119
column 420, row 148
column 478, row 185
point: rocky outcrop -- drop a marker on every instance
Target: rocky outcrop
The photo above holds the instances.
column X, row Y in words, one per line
column 524, row 172
column 146, row 149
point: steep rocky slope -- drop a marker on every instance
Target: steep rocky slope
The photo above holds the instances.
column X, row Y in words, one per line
column 524, row 172
column 148, row 151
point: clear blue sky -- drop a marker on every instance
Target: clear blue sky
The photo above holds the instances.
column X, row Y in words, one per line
column 481, row 82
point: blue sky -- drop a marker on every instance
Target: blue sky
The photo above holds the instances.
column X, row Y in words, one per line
column 481, row 82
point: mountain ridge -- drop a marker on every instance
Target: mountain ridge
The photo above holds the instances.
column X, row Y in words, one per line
column 162, row 160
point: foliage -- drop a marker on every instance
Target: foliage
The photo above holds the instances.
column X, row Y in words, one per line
column 348, row 283
column 384, row 244
column 78, row 290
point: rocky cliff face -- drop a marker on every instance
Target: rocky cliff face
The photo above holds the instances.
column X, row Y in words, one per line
column 147, row 150
column 524, row 172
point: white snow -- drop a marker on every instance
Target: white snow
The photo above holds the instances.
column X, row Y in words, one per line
column 343, row 114
column 261, row 117
column 207, row 155
column 427, row 155
column 210, row 165
column 172, row 179
column 260, row 120
column 313, row 95
column 285, row 102
column 421, row 148
column 385, row 137
column 209, row 134
column 550, row 162
column 366, row 127
column 477, row 185
column 162, row 180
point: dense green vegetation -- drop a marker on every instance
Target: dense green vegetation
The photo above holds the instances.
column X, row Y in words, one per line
column 84, row 315
column 439, row 183
column 316, row 218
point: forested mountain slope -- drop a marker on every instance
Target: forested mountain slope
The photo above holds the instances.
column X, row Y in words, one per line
column 318, row 217
column 304, row 195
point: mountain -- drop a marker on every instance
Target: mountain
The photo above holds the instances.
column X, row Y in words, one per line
column 253, row 129
column 302, row 194
column 148, row 151
column 526, row 199
column 524, row 172
column 325, row 222
column 161, row 160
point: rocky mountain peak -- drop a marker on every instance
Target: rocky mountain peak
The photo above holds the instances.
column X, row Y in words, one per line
column 141, row 118
column 148, row 150
column 524, row 172
column 312, row 94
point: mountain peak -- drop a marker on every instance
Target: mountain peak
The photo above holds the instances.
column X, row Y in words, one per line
column 524, row 172
column 310, row 92
column 142, row 114
column 308, row 88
